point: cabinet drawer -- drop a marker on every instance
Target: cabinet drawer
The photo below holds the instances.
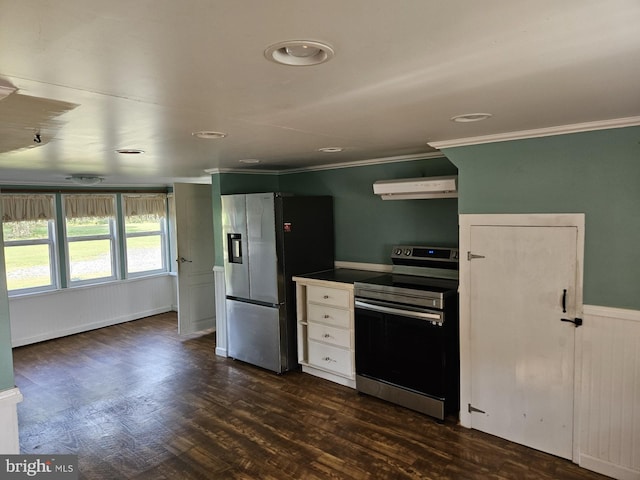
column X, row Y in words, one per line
column 328, row 296
column 327, row 334
column 330, row 315
column 330, row 358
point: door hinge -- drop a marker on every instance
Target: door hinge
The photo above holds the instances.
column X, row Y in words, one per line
column 471, row 256
column 473, row 409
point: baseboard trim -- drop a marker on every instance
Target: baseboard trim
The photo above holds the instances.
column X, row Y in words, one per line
column 316, row 372
column 609, row 469
column 89, row 326
column 221, row 352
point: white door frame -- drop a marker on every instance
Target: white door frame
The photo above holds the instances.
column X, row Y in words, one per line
column 466, row 221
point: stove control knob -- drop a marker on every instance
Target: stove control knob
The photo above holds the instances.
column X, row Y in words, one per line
column 397, row 251
column 407, row 252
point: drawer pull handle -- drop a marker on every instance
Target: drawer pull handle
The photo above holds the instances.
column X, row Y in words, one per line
column 325, row 297
column 328, row 359
column 327, row 316
column 326, row 335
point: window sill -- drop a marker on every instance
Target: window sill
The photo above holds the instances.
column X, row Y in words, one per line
column 57, row 291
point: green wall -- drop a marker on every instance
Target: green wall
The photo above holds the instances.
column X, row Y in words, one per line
column 597, row 173
column 248, row 183
column 6, row 356
column 366, row 227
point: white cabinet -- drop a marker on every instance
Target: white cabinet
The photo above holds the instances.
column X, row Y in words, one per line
column 325, row 329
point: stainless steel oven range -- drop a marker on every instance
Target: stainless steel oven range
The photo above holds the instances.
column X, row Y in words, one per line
column 406, row 331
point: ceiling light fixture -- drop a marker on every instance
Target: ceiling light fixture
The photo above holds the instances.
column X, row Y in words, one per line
column 331, row 149
column 209, row 134
column 85, row 180
column 130, row 151
column 470, row 117
column 299, row 53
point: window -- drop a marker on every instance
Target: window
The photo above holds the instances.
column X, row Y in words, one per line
column 61, row 240
column 29, row 243
column 91, row 239
column 145, row 234
column 29, row 250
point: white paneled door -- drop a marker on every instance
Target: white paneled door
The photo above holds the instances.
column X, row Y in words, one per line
column 195, row 257
column 522, row 283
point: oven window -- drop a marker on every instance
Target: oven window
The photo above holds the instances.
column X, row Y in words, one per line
column 402, row 351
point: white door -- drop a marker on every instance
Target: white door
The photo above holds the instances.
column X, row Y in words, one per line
column 195, row 257
column 522, row 354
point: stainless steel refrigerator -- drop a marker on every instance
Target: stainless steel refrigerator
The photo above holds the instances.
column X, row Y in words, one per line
column 270, row 237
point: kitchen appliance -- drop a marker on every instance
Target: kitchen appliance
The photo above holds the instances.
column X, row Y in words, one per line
column 269, row 237
column 406, row 331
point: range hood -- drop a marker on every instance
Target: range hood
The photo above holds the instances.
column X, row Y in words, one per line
column 416, row 188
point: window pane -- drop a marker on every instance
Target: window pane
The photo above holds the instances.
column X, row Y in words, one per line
column 79, row 227
column 144, row 253
column 28, row 266
column 143, row 223
column 27, row 230
column 145, row 250
column 90, row 259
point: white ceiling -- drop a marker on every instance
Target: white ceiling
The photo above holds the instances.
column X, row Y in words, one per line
column 93, row 76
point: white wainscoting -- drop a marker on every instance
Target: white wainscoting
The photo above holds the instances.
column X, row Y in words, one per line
column 221, row 311
column 9, row 441
column 610, row 392
column 39, row 317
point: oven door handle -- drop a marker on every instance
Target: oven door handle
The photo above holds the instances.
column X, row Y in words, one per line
column 433, row 317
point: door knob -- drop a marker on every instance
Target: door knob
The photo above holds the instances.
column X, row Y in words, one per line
column 576, row 321
column 183, row 260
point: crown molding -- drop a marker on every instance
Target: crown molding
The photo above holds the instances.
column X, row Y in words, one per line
column 331, row 166
column 363, row 163
column 539, row 132
column 252, row 171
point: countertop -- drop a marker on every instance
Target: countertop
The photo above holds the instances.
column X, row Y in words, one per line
column 342, row 275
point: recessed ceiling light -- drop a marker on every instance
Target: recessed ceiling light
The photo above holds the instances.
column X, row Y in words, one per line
column 330, row 149
column 208, row 134
column 470, row 117
column 249, row 160
column 299, row 53
column 130, row 151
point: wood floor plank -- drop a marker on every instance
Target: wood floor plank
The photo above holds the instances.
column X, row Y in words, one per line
column 137, row 401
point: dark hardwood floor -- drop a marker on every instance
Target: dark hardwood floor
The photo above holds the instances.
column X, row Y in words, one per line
column 136, row 401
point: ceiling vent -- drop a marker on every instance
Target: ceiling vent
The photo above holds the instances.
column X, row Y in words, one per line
column 417, row 188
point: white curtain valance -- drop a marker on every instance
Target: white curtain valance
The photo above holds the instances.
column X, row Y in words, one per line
column 145, row 205
column 78, row 206
column 20, row 207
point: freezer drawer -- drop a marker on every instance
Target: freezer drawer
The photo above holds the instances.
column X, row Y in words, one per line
column 255, row 335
